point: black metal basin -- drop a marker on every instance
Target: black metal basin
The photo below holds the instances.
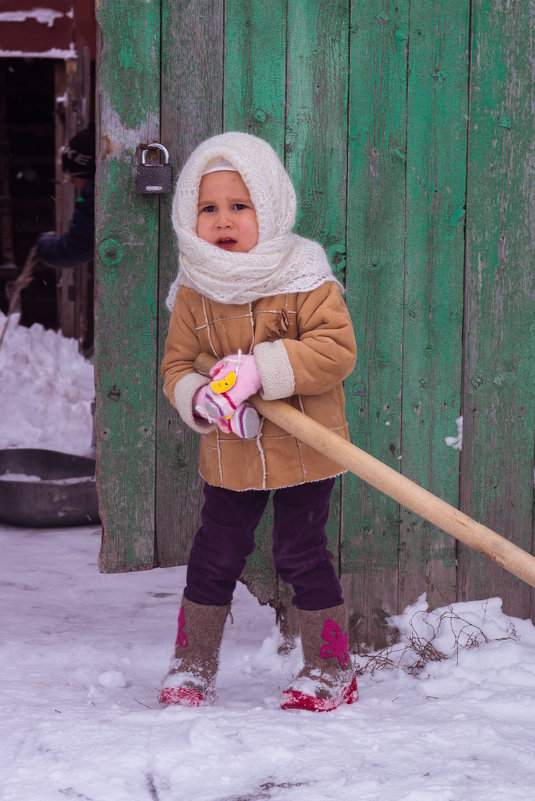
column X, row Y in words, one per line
column 64, row 495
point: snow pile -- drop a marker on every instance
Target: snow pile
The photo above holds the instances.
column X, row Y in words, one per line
column 432, row 636
column 46, row 390
column 83, row 654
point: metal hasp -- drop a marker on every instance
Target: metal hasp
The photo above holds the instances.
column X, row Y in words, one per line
column 154, row 179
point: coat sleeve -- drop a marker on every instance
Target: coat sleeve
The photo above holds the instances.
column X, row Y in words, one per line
column 182, row 347
column 76, row 245
column 322, row 355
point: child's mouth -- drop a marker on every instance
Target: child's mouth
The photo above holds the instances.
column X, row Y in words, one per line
column 226, row 243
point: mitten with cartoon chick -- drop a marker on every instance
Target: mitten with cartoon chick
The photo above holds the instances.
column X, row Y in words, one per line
column 234, row 379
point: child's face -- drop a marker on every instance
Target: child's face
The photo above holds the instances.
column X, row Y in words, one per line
column 226, row 216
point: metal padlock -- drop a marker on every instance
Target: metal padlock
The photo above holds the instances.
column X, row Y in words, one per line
column 154, row 179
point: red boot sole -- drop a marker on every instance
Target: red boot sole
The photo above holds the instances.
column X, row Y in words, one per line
column 293, row 699
column 181, row 696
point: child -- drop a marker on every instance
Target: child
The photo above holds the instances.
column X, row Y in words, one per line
column 266, row 304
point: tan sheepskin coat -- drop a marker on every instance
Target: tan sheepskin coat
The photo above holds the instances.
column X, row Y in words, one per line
column 304, row 347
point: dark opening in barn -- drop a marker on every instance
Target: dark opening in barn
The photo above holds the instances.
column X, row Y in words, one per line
column 28, row 182
column 46, row 96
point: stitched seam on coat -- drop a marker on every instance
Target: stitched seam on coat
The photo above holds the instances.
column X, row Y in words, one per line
column 285, row 486
column 272, row 437
column 222, row 320
column 303, row 468
column 208, row 326
column 268, row 437
column 274, row 311
column 220, row 466
column 241, row 317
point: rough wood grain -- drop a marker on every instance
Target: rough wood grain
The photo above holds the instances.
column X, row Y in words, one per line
column 434, row 283
column 126, row 265
column 192, row 110
column 316, row 120
column 499, row 397
column 255, row 69
column 73, row 112
column 375, row 264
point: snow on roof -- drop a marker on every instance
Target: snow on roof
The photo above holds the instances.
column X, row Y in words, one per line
column 38, row 32
column 46, row 16
column 54, row 52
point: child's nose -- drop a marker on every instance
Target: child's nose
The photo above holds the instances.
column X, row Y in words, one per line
column 223, row 220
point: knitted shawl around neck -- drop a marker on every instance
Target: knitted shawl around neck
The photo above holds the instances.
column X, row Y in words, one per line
column 280, row 262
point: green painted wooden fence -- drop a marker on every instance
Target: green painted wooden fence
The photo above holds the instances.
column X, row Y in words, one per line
column 407, row 129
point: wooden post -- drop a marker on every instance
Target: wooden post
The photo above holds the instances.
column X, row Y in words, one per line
column 127, row 270
column 431, row 364
column 192, row 110
column 375, row 273
column 72, row 113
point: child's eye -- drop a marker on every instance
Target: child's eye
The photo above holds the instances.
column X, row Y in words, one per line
column 208, row 208
column 240, row 206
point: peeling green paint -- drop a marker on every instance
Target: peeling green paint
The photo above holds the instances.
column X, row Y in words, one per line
column 130, row 56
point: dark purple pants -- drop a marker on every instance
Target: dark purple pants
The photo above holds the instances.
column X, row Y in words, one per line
column 300, row 555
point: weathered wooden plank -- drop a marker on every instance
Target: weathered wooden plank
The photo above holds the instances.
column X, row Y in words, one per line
column 316, row 142
column 437, row 117
column 192, row 110
column 499, row 398
column 316, row 120
column 255, row 94
column 126, row 265
column 255, row 69
column 73, row 89
column 375, row 264
column 66, row 125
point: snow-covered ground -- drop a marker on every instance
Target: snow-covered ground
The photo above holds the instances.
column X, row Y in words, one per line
column 82, row 655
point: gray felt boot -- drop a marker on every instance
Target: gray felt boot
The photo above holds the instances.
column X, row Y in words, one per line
column 327, row 678
column 192, row 672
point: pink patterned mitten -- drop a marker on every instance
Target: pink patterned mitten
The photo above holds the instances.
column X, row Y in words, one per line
column 245, row 422
column 198, row 403
column 236, row 378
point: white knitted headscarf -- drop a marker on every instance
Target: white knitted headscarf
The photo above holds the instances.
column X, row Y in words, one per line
column 281, row 261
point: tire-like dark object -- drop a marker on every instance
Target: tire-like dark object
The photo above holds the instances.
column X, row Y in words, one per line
column 58, row 498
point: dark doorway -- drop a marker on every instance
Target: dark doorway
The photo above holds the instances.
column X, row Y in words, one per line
column 28, row 188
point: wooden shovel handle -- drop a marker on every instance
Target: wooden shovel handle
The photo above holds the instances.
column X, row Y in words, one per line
column 505, row 553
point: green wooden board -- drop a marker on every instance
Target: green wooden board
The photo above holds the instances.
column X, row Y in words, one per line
column 433, row 288
column 192, row 110
column 375, row 263
column 499, row 398
column 126, row 280
column 255, row 69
